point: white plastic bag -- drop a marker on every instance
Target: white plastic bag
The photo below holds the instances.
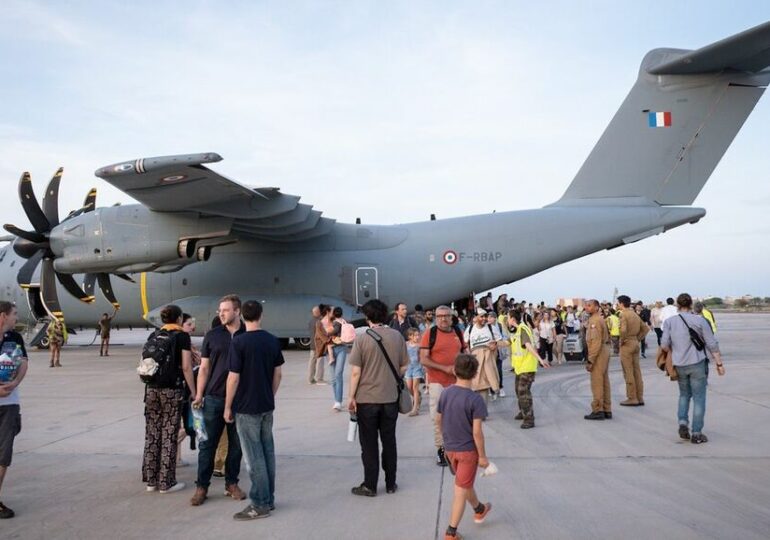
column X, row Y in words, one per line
column 198, row 425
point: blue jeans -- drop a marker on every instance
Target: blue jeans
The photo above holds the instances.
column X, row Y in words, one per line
column 692, row 385
column 213, row 419
column 340, row 354
column 256, row 433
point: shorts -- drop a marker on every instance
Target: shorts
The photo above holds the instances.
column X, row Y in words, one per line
column 414, row 372
column 464, row 465
column 10, row 426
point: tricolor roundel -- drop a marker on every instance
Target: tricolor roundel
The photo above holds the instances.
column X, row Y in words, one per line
column 659, row 119
column 450, row 257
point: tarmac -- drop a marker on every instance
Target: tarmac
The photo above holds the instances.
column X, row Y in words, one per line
column 76, row 471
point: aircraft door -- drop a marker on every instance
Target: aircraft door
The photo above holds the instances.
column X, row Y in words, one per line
column 367, row 284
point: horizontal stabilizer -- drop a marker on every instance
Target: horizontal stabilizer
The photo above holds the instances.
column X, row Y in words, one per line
column 748, row 51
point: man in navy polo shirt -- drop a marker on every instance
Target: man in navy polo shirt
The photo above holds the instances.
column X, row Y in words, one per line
column 212, row 378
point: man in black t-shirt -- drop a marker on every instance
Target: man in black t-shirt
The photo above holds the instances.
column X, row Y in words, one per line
column 210, row 395
column 255, row 374
column 13, row 368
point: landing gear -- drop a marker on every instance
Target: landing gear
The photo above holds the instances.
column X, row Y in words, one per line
column 303, row 343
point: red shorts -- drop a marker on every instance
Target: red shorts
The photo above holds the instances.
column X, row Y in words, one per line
column 464, row 465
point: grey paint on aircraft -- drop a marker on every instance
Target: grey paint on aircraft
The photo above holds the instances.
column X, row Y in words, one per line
column 213, row 236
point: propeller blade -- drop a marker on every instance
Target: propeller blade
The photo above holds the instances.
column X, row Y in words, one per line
column 89, row 282
column 26, row 272
column 126, row 278
column 69, row 283
column 31, row 206
column 106, row 287
column 48, row 293
column 51, row 199
column 33, row 237
column 90, row 203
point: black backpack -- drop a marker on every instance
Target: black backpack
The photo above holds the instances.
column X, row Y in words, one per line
column 160, row 347
column 434, row 333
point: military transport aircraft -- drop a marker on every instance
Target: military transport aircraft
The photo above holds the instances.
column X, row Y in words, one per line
column 197, row 235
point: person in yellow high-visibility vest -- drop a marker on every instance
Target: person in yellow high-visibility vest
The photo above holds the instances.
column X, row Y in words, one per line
column 613, row 325
column 524, row 360
column 706, row 313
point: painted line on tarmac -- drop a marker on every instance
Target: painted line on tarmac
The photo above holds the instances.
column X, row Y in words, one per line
column 438, row 510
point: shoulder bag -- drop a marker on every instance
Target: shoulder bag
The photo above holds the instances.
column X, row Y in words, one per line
column 404, row 398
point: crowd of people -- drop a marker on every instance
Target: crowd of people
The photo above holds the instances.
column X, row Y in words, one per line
column 455, row 357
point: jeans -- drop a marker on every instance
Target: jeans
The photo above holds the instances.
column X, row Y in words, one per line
column 340, row 354
column 256, row 433
column 692, row 385
column 213, row 419
column 378, row 420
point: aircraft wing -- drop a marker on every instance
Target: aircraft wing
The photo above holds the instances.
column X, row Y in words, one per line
column 183, row 184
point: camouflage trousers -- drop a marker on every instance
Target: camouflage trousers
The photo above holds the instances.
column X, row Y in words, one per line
column 524, row 395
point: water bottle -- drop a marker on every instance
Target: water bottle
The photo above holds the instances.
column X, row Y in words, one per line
column 352, row 427
column 9, row 364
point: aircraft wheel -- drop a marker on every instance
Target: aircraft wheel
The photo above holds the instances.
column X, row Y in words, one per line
column 573, row 357
column 303, row 343
column 44, row 343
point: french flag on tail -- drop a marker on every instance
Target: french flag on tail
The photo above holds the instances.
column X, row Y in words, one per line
column 659, row 119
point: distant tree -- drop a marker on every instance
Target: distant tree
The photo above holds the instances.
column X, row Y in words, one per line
column 716, row 301
column 756, row 301
column 741, row 303
column 767, row 299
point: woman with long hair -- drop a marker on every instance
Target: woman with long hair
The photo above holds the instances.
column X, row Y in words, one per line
column 547, row 333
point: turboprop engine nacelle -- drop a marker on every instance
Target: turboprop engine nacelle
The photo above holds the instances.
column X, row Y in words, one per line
column 133, row 238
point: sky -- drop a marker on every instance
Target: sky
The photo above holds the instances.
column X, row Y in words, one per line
column 388, row 111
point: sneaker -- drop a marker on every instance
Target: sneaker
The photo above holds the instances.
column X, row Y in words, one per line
column 179, row 486
column 684, row 432
column 502, row 393
column 413, row 412
column 150, row 488
column 337, row 406
column 494, row 397
column 698, row 438
column 608, row 415
column 391, row 489
column 5, row 512
column 519, row 416
column 598, row 415
column 441, row 458
column 235, row 492
column 251, row 512
column 218, row 474
column 201, row 494
column 363, row 491
column 481, row 516
column 527, row 425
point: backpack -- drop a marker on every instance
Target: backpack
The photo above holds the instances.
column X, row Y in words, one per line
column 434, row 334
column 347, row 332
column 158, row 367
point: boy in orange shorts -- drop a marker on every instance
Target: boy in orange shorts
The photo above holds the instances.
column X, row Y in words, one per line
column 459, row 417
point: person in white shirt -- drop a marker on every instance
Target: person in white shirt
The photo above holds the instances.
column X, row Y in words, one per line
column 668, row 311
column 547, row 336
column 483, row 340
column 657, row 323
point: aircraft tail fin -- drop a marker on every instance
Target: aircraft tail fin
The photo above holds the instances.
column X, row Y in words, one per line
column 676, row 123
